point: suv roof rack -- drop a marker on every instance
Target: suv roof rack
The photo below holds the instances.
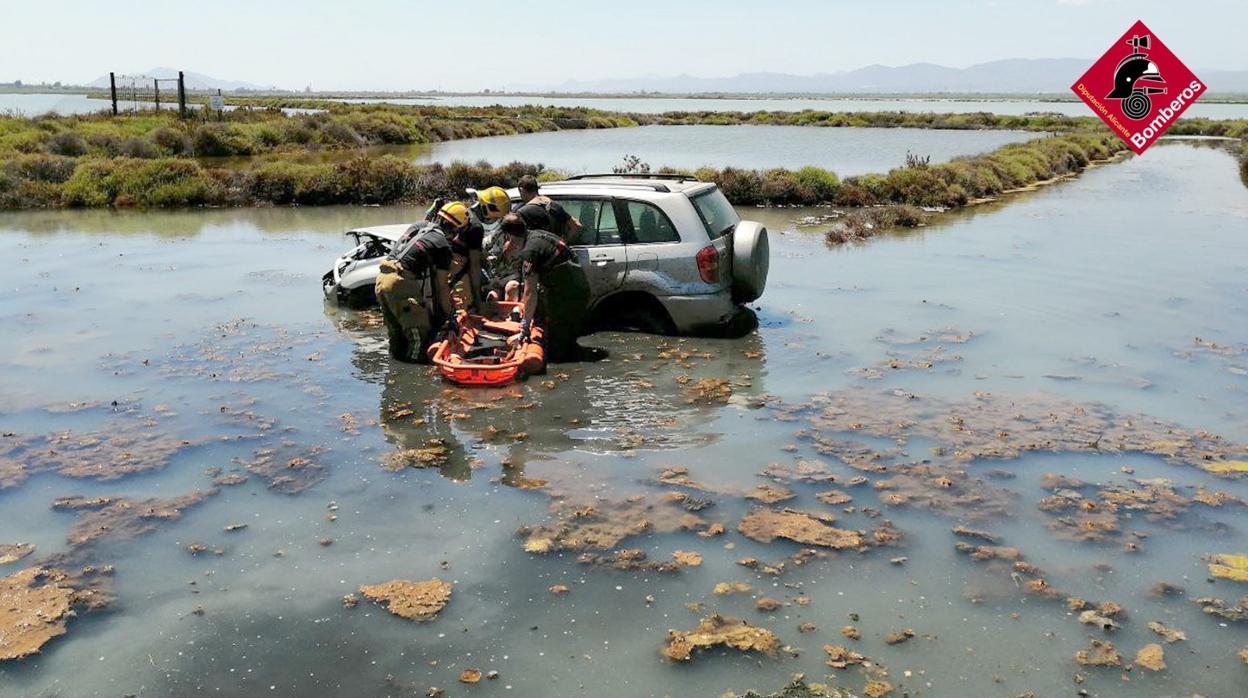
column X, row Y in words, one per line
column 652, row 186
column 672, row 177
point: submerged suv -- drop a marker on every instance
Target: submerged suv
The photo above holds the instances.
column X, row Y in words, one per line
column 662, row 253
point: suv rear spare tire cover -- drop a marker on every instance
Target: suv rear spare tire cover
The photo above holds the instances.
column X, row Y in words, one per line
column 751, row 256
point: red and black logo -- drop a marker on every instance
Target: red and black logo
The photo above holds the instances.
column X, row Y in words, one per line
column 1138, row 87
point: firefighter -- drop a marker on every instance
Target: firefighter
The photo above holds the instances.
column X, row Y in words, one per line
column 541, row 213
column 413, row 283
column 555, row 293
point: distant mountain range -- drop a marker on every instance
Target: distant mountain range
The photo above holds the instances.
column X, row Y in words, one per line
column 194, row 81
column 1014, row 76
column 1009, row 76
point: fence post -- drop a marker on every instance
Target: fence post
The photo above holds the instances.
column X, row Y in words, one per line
column 156, row 91
column 112, row 90
column 181, row 95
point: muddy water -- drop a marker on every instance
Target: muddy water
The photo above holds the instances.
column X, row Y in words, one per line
column 207, row 326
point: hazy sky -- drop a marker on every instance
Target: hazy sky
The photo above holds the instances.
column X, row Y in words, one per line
column 389, row 44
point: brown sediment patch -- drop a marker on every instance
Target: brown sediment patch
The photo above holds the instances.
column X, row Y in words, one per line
column 965, row 532
column 686, row 558
column 841, row 657
column 243, row 351
column 765, row 525
column 926, row 358
column 1170, row 635
column 1232, row 567
column 688, row 501
column 602, row 524
column 12, row 552
column 877, row 689
column 120, row 518
column 1100, row 528
column 946, row 490
column 988, row 552
column 1217, row 607
column 35, row 605
column 1243, row 654
column 434, row 453
column 1215, row 498
column 851, row 632
column 834, row 497
column 725, row 588
column 855, row 454
column 943, row 335
column 770, row 494
column 287, row 473
column 127, row 446
column 768, row 604
column 715, row 631
column 679, row 477
column 1099, row 653
column 1091, row 617
column 419, row 601
column 706, row 391
column 1152, row 657
column 628, row 559
column 990, row 427
column 229, row 479
column 898, row 637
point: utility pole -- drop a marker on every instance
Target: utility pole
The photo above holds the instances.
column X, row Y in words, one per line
column 112, row 89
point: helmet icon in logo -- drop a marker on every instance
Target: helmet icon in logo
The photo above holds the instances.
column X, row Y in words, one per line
column 1132, row 70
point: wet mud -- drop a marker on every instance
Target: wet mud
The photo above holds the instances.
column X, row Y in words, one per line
column 418, row 601
column 714, row 631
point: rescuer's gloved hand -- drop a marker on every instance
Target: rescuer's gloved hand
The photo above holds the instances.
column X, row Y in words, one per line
column 524, row 331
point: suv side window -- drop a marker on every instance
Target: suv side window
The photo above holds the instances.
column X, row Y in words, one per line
column 598, row 223
column 649, row 224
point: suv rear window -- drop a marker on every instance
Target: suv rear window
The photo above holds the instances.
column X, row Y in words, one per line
column 716, row 213
column 650, row 224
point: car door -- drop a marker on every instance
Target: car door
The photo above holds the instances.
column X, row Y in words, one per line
column 655, row 264
column 599, row 245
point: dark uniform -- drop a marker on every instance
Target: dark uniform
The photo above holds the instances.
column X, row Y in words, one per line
column 563, row 295
column 542, row 213
column 471, row 239
column 406, row 293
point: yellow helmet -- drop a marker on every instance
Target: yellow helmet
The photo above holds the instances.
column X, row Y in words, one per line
column 494, row 202
column 455, row 213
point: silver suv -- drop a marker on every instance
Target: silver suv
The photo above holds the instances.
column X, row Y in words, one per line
column 663, row 253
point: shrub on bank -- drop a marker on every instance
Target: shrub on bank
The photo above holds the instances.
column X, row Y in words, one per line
column 126, row 182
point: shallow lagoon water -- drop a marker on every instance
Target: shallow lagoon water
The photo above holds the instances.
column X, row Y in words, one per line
column 845, row 151
column 1092, row 290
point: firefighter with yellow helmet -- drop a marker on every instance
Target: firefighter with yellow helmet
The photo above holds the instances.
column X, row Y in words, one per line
column 413, row 282
column 491, row 205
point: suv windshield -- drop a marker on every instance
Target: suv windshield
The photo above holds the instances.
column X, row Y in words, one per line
column 716, row 213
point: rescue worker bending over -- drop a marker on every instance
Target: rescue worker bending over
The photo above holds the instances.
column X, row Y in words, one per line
column 556, row 294
column 417, row 261
column 491, row 205
column 541, row 213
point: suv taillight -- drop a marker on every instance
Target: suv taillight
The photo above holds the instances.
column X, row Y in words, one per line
column 708, row 264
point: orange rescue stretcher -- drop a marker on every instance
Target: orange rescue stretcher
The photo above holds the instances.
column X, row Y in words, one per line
column 486, row 352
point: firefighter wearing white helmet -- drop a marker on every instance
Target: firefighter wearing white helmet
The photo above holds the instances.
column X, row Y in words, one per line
column 413, row 283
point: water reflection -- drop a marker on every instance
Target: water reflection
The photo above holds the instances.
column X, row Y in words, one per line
column 637, row 399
